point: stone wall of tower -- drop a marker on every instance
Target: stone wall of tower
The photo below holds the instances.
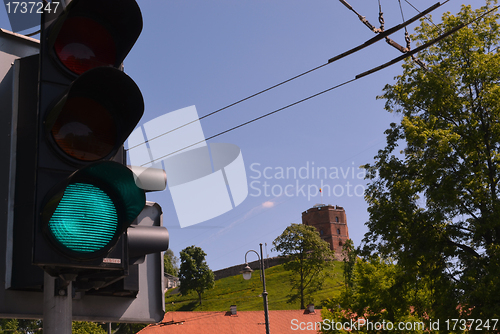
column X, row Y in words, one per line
column 331, row 223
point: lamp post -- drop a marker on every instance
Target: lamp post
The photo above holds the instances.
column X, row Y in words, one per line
column 247, row 274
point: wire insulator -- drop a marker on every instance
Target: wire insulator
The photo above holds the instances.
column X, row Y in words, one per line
column 368, row 24
column 347, row 5
column 396, row 45
column 420, row 63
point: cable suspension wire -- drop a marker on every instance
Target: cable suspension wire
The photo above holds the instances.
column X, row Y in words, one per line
column 401, row 9
column 384, row 34
column 390, row 41
column 408, row 43
column 381, row 17
column 426, row 45
column 357, row 77
column 428, row 19
column 361, row 18
column 331, row 60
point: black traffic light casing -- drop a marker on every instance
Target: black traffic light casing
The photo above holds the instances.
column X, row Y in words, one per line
column 146, row 235
column 40, row 169
column 87, row 107
column 23, row 274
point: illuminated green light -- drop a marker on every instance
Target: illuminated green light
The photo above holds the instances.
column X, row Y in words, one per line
column 85, row 219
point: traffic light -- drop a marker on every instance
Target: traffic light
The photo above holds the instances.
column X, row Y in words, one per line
column 21, row 192
column 85, row 196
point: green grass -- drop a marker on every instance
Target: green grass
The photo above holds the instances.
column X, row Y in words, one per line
column 247, row 294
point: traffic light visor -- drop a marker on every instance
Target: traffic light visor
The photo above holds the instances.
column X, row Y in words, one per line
column 96, row 115
column 94, row 33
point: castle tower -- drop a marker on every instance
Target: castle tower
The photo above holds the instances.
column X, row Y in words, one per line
column 331, row 223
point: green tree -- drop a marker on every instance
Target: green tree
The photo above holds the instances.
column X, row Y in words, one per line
column 306, row 256
column 86, row 327
column 123, row 328
column 9, row 326
column 18, row 326
column 194, row 273
column 377, row 292
column 171, row 263
column 434, row 206
column 349, row 258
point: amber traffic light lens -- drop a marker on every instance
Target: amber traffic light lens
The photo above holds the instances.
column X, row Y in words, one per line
column 85, row 130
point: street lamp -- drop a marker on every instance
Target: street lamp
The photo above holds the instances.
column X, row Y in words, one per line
column 247, row 274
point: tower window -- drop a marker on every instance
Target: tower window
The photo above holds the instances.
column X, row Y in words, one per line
column 338, row 231
column 336, row 219
column 340, row 243
column 321, row 232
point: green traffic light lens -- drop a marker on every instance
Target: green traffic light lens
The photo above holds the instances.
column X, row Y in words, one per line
column 85, row 216
column 85, row 220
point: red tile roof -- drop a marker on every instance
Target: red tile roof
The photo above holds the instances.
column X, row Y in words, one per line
column 244, row 322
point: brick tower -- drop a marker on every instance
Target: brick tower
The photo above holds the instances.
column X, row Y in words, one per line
column 331, row 223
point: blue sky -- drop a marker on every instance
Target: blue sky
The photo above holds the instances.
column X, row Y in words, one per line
column 213, row 53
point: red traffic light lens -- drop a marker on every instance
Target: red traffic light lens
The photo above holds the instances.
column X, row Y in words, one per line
column 85, row 130
column 83, row 44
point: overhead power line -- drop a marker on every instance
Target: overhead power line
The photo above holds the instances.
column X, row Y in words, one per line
column 428, row 19
column 331, row 60
column 361, row 18
column 384, row 34
column 359, row 76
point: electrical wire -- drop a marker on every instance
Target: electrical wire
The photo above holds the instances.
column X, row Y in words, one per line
column 359, row 76
column 331, row 60
column 232, row 104
column 428, row 19
column 253, row 120
column 401, row 9
column 423, row 46
column 384, row 34
column 361, row 17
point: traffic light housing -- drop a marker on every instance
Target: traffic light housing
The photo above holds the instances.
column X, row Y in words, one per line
column 20, row 167
column 85, row 196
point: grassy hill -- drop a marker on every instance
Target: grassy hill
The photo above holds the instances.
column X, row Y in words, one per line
column 247, row 294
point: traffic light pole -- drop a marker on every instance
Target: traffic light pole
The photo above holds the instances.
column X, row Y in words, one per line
column 57, row 307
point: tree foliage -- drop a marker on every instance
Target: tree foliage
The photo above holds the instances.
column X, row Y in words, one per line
column 377, row 292
column 349, row 258
column 170, row 263
column 86, row 327
column 434, row 206
column 306, row 256
column 18, row 326
column 124, row 328
column 9, row 326
column 194, row 273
